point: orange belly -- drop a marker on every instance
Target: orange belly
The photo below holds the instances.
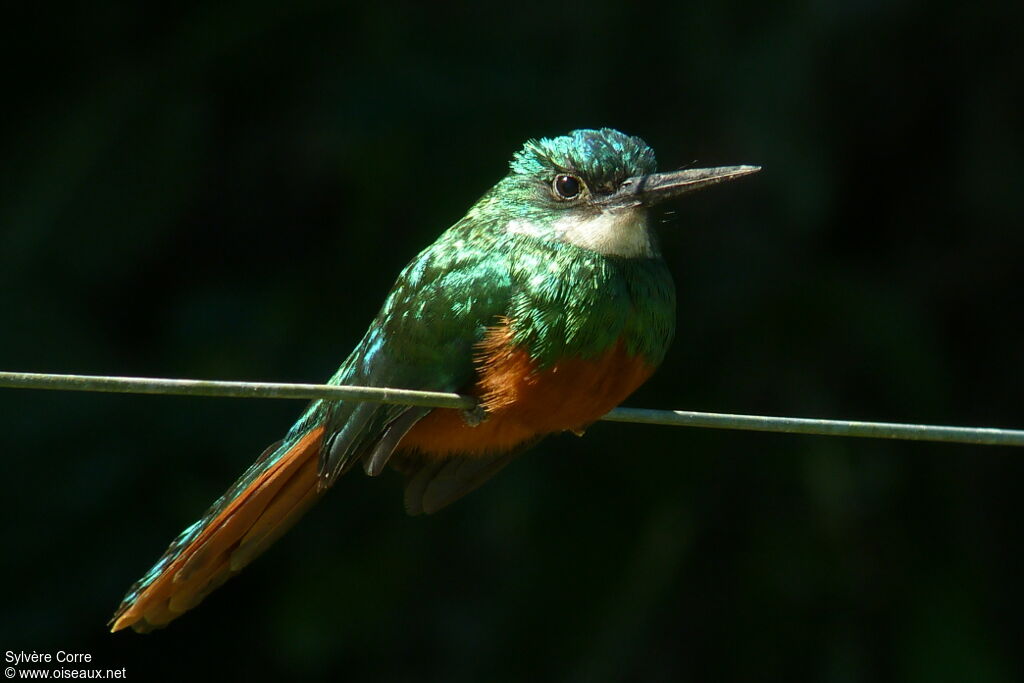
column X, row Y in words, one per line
column 524, row 403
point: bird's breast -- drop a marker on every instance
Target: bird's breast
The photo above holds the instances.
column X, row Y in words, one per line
column 524, row 401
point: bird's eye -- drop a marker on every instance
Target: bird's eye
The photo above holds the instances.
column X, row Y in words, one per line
column 567, row 186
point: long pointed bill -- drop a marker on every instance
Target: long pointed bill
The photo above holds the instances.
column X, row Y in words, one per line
column 657, row 187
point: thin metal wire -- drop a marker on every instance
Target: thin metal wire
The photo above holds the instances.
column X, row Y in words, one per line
column 989, row 436
column 202, row 387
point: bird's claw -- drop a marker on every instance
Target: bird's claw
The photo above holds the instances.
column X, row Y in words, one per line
column 475, row 416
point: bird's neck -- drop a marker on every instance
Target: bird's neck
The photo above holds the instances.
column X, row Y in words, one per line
column 577, row 302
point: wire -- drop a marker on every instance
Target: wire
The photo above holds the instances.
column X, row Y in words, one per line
column 202, row 387
column 435, row 399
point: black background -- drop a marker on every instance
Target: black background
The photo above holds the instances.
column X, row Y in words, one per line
column 229, row 193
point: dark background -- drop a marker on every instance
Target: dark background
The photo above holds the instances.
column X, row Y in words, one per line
column 229, row 193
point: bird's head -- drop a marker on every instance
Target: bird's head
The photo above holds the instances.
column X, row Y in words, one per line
column 593, row 189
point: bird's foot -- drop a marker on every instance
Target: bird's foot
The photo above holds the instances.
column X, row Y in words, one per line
column 476, row 416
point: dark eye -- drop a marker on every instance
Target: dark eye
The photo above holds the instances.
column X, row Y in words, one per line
column 568, row 186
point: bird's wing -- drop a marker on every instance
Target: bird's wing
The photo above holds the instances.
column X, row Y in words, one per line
column 423, row 338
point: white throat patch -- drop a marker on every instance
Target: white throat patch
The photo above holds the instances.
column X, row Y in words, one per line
column 624, row 232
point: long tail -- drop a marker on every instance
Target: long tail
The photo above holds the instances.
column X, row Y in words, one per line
column 271, row 496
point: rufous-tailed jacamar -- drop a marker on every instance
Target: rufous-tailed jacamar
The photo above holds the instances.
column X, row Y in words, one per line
column 548, row 301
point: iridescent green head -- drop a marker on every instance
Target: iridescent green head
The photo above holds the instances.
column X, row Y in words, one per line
column 592, row 189
column 598, row 159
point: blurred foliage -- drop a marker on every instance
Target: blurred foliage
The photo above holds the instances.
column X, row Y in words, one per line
column 229, row 192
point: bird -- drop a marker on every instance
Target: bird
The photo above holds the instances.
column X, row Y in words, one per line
column 549, row 302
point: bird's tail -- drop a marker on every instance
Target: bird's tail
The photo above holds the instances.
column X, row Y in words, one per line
column 245, row 521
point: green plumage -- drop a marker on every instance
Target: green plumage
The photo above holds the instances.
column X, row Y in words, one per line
column 564, row 300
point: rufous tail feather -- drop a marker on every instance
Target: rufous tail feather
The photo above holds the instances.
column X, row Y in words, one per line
column 270, row 497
